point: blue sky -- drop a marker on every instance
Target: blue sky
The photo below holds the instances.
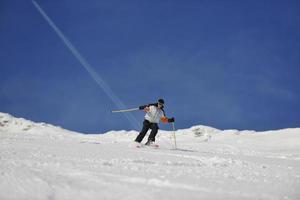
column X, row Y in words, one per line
column 226, row 64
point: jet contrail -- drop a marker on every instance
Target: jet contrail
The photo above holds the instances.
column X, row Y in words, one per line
column 97, row 78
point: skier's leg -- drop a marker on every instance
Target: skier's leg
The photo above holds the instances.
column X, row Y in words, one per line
column 146, row 126
column 154, row 130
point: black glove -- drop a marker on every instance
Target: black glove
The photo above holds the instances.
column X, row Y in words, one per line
column 171, row 120
column 142, row 107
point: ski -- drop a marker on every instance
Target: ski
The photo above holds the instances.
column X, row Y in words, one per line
column 155, row 146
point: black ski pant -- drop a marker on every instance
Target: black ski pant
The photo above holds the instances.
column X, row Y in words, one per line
column 146, row 126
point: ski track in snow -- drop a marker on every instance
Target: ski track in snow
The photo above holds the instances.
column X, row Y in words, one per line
column 41, row 161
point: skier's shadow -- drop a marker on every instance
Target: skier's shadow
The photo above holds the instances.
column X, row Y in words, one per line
column 87, row 142
column 184, row 150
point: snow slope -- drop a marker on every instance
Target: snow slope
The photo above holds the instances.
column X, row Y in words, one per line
column 41, row 161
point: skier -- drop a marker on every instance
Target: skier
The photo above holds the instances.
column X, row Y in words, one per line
column 154, row 113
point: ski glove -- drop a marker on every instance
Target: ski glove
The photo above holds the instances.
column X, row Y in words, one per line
column 171, row 120
column 142, row 107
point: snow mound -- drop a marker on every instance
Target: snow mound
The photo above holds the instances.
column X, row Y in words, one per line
column 10, row 124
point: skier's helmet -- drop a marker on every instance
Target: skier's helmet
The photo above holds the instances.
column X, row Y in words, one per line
column 161, row 101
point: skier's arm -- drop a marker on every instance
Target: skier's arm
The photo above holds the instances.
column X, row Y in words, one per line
column 165, row 119
column 148, row 105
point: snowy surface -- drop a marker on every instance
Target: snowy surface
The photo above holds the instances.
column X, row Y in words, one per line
column 41, row 161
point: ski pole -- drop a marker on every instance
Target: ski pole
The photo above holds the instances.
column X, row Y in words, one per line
column 174, row 135
column 125, row 110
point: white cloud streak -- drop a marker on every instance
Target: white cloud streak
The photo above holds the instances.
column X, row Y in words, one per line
column 94, row 75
